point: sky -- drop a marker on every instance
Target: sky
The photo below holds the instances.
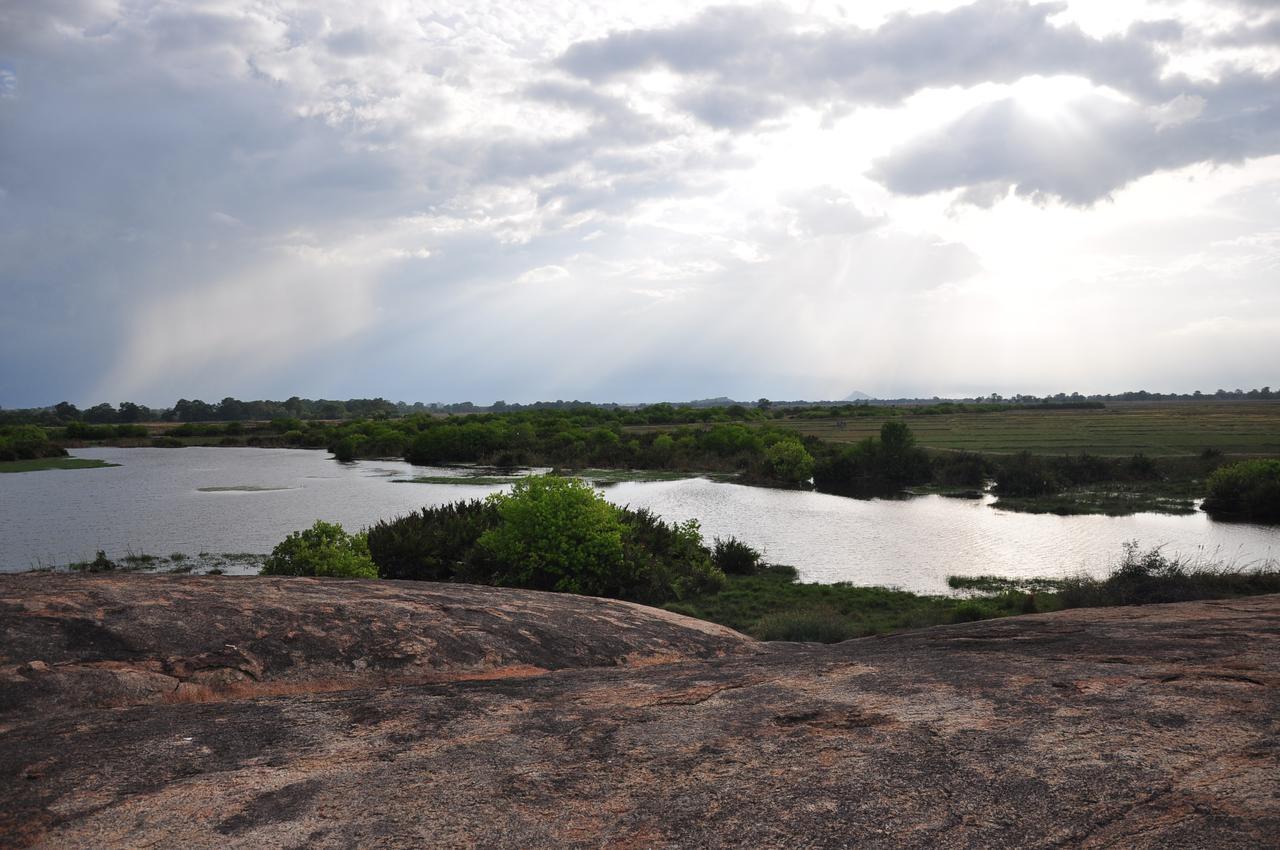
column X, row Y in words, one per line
column 448, row 201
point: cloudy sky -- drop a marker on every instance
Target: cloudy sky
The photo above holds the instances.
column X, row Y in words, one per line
column 636, row 201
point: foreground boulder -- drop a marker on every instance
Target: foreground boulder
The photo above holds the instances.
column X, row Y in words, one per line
column 73, row 641
column 1147, row 727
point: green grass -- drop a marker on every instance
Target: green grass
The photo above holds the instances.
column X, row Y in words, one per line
column 600, row 477
column 475, row 480
column 44, row 463
column 616, row 476
column 1118, row 501
column 774, row 606
column 242, row 488
column 1168, row 429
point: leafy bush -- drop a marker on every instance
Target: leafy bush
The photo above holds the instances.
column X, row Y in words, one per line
column 664, row 561
column 961, row 469
column 324, row 549
column 1249, row 490
column 789, row 462
column 556, row 534
column 734, row 557
column 549, row 533
column 1024, row 474
column 435, row 544
column 26, row 442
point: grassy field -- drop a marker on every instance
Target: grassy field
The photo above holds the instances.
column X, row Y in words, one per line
column 53, row 463
column 1157, row 429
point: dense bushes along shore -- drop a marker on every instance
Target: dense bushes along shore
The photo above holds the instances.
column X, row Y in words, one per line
column 559, row 534
column 548, row 533
column 745, row 442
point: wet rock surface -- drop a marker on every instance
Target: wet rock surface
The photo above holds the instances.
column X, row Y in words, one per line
column 1137, row 727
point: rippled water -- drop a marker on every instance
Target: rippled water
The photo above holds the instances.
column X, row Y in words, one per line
column 159, row 501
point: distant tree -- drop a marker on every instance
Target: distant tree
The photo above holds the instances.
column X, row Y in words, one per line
column 101, row 413
column 65, row 410
column 130, row 412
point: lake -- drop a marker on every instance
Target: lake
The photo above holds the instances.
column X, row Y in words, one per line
column 192, row 500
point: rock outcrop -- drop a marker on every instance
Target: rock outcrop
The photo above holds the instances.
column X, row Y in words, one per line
column 570, row 722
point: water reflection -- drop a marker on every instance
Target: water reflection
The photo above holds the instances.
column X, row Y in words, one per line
column 246, row 500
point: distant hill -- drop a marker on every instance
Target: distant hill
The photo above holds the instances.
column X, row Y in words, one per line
column 857, row 395
column 719, row 401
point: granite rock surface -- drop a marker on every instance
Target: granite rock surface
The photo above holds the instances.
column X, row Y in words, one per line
column 405, row 715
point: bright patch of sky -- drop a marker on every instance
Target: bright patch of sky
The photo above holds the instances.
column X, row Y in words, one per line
column 631, row 202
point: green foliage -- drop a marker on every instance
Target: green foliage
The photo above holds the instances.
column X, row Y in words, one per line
column 1143, row 578
column 550, row 533
column 874, row 466
column 789, row 462
column 324, row 549
column 820, row 623
column 435, row 543
column 734, row 557
column 557, row 534
column 961, row 469
column 773, row 605
column 1249, row 490
column 26, row 442
column 664, row 561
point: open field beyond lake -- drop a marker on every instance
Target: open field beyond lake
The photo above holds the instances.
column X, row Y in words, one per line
column 1157, row 429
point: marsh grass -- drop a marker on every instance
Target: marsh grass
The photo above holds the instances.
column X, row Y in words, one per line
column 772, row 605
column 41, row 464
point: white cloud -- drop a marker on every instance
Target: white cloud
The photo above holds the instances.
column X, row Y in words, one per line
column 222, row 197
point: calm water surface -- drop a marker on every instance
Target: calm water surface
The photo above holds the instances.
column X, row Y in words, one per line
column 159, row 501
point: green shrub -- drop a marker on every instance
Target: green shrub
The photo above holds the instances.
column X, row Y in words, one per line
column 435, row 544
column 789, row 462
column 550, row 533
column 664, row 561
column 26, row 442
column 556, row 534
column 324, row 549
column 734, row 557
column 971, row 611
column 1025, row 474
column 1249, row 490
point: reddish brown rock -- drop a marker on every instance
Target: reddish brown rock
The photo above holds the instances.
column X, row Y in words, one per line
column 1150, row 727
column 104, row 640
